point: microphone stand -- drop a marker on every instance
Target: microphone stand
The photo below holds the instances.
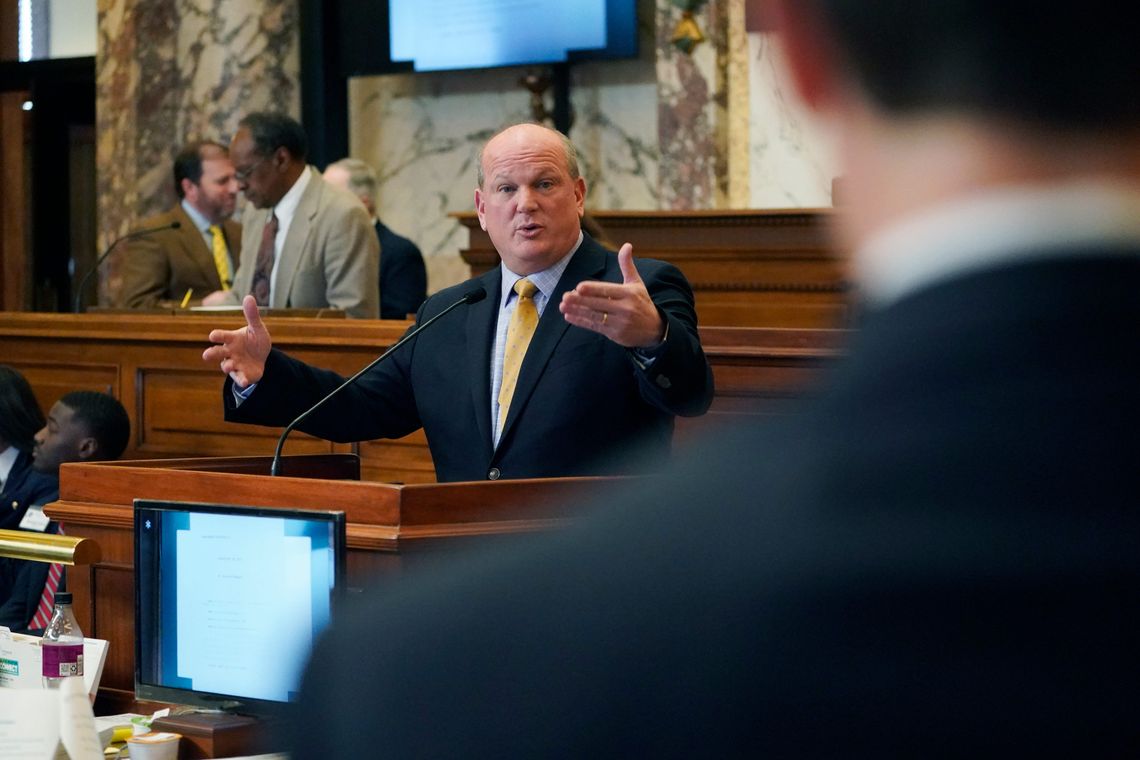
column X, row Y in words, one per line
column 77, row 306
column 478, row 294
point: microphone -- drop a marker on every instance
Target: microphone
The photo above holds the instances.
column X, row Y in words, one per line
column 78, row 306
column 472, row 296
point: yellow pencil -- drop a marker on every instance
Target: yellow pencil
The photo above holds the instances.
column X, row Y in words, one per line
column 186, row 298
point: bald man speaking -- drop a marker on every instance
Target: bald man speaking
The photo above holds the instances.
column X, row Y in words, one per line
column 575, row 363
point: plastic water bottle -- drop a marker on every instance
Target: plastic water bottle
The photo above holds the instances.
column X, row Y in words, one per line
column 62, row 645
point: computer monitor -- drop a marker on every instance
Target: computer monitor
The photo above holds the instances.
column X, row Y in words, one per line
column 229, row 600
column 447, row 35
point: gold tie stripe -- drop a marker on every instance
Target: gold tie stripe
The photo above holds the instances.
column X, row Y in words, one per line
column 221, row 257
column 519, row 332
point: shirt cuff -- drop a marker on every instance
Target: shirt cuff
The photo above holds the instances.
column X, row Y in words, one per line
column 242, row 394
column 645, row 357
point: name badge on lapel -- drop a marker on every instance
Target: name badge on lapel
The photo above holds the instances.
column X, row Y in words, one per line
column 35, row 519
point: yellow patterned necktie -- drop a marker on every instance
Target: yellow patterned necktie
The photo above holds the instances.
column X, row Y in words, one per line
column 519, row 332
column 221, row 257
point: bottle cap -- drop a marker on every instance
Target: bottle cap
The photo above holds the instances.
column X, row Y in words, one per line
column 62, row 597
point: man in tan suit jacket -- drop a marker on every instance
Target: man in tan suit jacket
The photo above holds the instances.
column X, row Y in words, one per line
column 161, row 268
column 307, row 244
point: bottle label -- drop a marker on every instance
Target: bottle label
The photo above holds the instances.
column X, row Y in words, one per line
column 62, row 660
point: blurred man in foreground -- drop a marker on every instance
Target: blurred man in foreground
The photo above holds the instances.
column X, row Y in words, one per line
column 403, row 277
column 936, row 557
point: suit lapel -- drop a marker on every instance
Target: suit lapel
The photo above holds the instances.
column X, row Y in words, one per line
column 481, row 321
column 588, row 262
column 195, row 248
column 296, row 240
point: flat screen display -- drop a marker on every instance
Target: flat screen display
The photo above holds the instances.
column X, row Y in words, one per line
column 448, row 35
column 230, row 599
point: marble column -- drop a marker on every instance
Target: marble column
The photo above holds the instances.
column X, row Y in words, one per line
column 692, row 110
column 170, row 71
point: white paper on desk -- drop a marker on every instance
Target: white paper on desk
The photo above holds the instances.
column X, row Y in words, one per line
column 77, row 722
column 29, row 723
column 20, row 662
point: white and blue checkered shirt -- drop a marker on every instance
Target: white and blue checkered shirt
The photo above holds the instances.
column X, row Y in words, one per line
column 545, row 281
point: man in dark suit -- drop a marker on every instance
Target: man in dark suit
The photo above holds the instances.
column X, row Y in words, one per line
column 307, row 245
column 614, row 356
column 200, row 255
column 403, row 277
column 937, row 557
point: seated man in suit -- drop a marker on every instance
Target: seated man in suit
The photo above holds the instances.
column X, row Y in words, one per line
column 306, row 245
column 403, row 277
column 83, row 426
column 938, row 556
column 614, row 356
column 199, row 256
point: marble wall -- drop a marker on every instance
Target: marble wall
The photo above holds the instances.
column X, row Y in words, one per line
column 169, row 71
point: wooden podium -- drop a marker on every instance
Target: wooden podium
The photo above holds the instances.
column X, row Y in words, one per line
column 389, row 526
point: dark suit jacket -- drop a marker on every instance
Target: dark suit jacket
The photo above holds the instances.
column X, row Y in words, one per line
column 936, row 557
column 162, row 266
column 403, row 277
column 581, row 406
column 22, row 582
column 23, row 487
column 330, row 257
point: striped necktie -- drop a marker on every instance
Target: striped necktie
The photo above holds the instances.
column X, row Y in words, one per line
column 519, row 332
column 47, row 600
column 263, row 267
column 221, row 257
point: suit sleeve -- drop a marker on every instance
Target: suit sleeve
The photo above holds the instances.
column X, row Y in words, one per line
column 352, row 262
column 25, row 583
column 380, row 405
column 679, row 379
column 146, row 272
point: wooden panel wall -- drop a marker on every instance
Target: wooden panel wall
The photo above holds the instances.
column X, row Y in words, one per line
column 748, row 268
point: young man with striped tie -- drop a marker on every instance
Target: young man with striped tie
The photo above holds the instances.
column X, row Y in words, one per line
column 83, row 426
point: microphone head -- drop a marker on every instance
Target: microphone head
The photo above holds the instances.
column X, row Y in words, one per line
column 175, row 225
column 476, row 295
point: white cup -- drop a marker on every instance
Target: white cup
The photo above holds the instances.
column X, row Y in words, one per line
column 161, row 745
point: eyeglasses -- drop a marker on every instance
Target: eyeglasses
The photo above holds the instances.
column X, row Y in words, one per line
column 243, row 175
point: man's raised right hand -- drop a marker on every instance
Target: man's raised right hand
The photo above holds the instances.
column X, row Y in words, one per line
column 241, row 353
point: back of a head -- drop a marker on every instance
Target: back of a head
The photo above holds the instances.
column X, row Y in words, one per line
column 105, row 419
column 361, row 176
column 20, row 414
column 271, row 131
column 1053, row 64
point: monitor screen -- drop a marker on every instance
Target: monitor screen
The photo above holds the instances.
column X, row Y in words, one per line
column 230, row 599
column 447, row 35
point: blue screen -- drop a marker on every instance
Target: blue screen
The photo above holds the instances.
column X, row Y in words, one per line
column 231, row 599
